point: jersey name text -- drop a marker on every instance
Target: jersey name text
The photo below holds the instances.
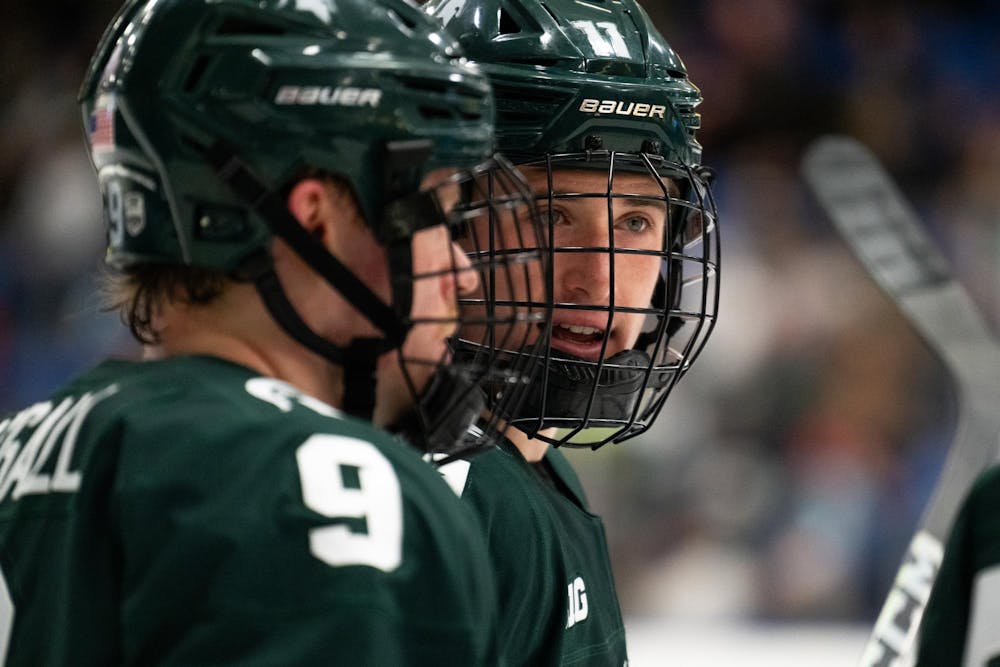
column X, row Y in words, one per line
column 41, row 433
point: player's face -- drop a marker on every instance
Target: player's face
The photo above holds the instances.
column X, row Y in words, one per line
column 442, row 274
column 598, row 277
column 589, row 280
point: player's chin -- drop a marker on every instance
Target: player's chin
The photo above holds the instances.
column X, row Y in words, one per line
column 427, row 346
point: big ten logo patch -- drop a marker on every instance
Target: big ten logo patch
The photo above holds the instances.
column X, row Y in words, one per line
column 577, row 607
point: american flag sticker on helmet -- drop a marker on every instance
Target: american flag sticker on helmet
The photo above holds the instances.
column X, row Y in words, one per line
column 101, row 127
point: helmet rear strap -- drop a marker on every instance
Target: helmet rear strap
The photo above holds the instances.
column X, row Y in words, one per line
column 358, row 359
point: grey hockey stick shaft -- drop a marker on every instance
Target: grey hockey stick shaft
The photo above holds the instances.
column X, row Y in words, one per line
column 883, row 232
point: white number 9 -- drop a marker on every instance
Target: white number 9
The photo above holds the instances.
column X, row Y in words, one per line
column 322, row 460
column 116, row 213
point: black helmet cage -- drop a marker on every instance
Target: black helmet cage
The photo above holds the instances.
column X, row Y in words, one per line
column 200, row 114
column 501, row 358
column 593, row 85
column 617, row 397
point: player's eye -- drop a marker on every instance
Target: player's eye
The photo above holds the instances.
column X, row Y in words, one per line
column 634, row 224
column 554, row 216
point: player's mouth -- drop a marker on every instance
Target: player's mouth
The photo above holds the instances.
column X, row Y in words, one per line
column 580, row 340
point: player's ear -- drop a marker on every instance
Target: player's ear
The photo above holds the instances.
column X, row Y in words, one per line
column 310, row 202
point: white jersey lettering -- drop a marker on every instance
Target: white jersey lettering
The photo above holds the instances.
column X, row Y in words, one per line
column 577, row 608
column 54, row 429
column 284, row 396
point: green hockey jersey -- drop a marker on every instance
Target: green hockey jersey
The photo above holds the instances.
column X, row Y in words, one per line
column 558, row 604
column 960, row 625
column 188, row 512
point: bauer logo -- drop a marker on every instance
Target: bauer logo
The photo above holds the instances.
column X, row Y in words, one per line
column 347, row 96
column 617, row 108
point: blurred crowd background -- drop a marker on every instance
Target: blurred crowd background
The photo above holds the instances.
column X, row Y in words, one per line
column 785, row 475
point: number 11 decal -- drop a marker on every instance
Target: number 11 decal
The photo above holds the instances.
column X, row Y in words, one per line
column 611, row 43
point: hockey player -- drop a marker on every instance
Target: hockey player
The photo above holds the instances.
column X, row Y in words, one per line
column 599, row 114
column 959, row 625
column 276, row 177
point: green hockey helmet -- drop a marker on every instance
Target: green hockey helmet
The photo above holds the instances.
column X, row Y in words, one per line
column 574, row 75
column 199, row 115
column 287, row 85
column 590, row 86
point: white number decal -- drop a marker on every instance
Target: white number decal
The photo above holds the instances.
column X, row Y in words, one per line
column 116, row 213
column 6, row 618
column 609, row 44
column 450, row 10
column 323, row 462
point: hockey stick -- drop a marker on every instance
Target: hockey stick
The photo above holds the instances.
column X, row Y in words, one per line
column 883, row 232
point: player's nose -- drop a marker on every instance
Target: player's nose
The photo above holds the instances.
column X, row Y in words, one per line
column 466, row 278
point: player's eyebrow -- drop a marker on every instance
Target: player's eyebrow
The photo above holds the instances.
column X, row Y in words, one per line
column 643, row 202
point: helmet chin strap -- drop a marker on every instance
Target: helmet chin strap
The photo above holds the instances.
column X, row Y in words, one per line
column 448, row 407
column 360, row 357
column 573, row 390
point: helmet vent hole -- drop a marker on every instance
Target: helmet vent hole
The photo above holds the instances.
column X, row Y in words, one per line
column 508, row 26
column 435, row 113
column 197, row 72
column 409, row 23
column 441, row 113
column 550, row 12
column 536, row 62
column 235, row 25
column 615, row 67
column 426, row 85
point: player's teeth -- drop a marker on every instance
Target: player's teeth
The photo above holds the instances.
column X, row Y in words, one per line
column 586, row 331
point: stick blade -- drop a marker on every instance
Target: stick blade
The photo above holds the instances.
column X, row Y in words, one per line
column 872, row 216
column 884, row 233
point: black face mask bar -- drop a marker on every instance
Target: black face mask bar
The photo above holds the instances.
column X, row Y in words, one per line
column 615, row 391
column 490, row 362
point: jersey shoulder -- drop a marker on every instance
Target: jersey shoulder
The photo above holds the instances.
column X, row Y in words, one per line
column 188, row 420
column 502, row 477
column 205, row 405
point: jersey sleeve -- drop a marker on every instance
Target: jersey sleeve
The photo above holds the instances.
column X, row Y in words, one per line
column 959, row 623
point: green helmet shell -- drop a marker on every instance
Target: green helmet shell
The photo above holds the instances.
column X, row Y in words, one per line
column 591, row 85
column 572, row 75
column 292, row 86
